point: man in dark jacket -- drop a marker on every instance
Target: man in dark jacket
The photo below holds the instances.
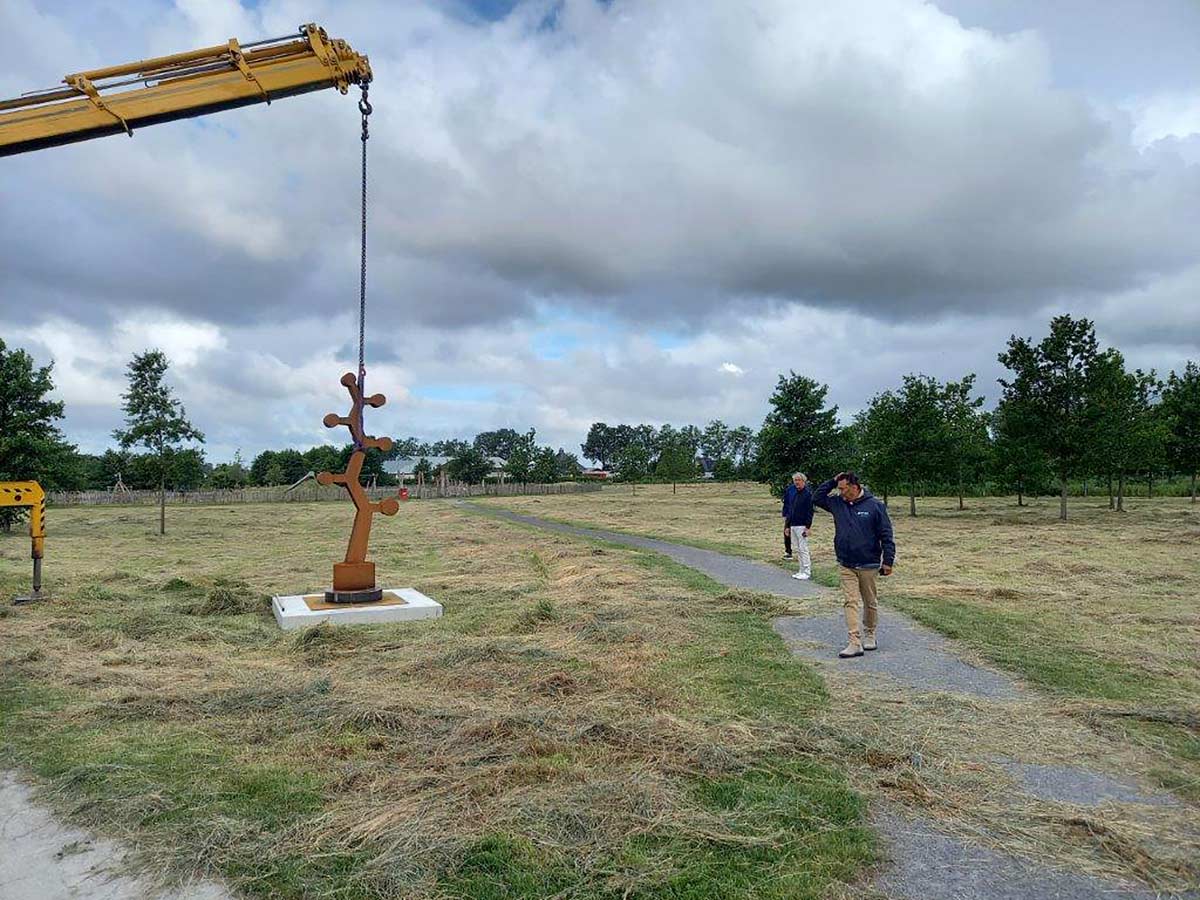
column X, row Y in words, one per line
column 797, row 521
column 865, row 549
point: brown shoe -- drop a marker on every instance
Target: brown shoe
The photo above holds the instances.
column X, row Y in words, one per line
column 854, row 648
column 868, row 642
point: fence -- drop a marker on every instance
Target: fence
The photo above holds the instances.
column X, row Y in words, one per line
column 307, row 493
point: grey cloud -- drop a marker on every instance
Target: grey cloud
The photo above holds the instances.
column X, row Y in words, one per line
column 872, row 156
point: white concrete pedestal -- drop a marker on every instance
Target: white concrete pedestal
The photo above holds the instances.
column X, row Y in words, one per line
column 397, row 605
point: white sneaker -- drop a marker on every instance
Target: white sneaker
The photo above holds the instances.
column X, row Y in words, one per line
column 802, row 576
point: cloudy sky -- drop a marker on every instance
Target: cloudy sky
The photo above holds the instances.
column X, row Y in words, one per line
column 639, row 210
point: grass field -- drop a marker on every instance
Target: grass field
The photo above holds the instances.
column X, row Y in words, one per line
column 585, row 721
column 1101, row 609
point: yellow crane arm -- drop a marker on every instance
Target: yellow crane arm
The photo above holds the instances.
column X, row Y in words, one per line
column 178, row 87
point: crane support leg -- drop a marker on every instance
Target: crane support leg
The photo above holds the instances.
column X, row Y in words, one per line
column 30, row 494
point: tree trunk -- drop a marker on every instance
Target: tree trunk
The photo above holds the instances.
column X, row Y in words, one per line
column 1193, row 487
column 1112, row 503
column 912, row 499
column 162, row 506
column 672, row 487
column 1121, row 492
column 1149, row 486
column 1062, row 498
column 1085, row 487
column 1020, row 492
column 960, row 495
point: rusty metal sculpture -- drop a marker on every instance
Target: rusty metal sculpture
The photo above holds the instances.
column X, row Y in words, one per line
column 354, row 579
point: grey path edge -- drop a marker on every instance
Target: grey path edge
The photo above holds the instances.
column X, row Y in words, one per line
column 925, row 862
column 43, row 859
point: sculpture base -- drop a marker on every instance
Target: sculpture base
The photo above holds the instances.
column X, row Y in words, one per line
column 397, row 605
column 372, row 596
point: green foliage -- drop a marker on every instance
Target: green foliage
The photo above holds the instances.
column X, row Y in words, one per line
column 677, row 459
column 601, row 444
column 503, row 443
column 520, row 454
column 1051, row 388
column 798, row 432
column 545, row 466
column 469, row 466
column 566, row 464
column 1018, row 462
column 633, row 462
column 724, row 469
column 31, row 446
column 1181, row 412
column 965, row 438
column 715, row 440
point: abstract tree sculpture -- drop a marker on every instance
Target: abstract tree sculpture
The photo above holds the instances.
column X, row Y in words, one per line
column 354, row 579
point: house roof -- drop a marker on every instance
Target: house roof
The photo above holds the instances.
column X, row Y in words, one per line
column 405, row 465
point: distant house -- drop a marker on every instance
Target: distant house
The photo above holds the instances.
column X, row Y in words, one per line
column 598, row 474
column 708, row 466
column 404, row 467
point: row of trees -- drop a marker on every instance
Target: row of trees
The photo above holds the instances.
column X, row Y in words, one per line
column 1068, row 411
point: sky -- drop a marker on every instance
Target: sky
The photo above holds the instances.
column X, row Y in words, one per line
column 622, row 211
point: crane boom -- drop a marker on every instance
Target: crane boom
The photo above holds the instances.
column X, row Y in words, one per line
column 178, row 87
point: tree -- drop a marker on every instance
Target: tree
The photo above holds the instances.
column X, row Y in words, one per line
column 520, row 457
column 566, row 464
column 423, row 470
column 876, row 428
column 715, row 440
column 1053, row 383
column 798, row 432
column 545, row 466
column 154, row 419
column 724, row 469
column 676, row 459
column 186, row 469
column 633, row 462
column 502, row 443
column 742, row 442
column 450, row 447
column 260, row 468
column 965, row 439
column 1181, row 412
column 1018, row 462
column 1128, row 431
column 600, row 444
column 31, row 446
column 322, row 458
column 469, row 466
column 908, row 441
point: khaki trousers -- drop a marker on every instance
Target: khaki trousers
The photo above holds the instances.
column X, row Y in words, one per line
column 858, row 586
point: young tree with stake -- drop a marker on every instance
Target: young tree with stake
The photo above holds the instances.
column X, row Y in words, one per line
column 154, row 419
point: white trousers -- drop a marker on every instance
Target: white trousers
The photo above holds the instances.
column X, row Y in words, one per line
column 800, row 549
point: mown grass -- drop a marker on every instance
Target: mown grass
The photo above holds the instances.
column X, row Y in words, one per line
column 584, row 721
column 1099, row 609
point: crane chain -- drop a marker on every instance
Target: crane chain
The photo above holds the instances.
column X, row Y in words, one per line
column 364, row 107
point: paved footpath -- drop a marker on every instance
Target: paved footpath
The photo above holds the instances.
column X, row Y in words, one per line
column 42, row 859
column 927, row 863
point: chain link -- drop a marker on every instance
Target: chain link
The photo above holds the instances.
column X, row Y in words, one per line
column 364, row 107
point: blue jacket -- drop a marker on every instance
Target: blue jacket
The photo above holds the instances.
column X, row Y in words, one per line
column 798, row 506
column 862, row 531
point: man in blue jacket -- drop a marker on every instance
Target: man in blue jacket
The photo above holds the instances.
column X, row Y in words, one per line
column 797, row 520
column 865, row 549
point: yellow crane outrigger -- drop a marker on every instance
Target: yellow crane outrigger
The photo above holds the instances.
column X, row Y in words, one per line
column 29, row 493
column 178, row 87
